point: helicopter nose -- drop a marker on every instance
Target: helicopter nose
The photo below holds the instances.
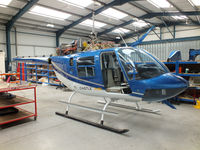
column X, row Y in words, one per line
column 164, row 87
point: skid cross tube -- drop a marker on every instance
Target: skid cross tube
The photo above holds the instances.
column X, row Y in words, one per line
column 89, row 109
column 137, row 108
column 102, row 112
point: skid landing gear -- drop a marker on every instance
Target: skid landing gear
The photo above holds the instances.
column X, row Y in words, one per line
column 137, row 108
column 98, row 125
column 102, row 112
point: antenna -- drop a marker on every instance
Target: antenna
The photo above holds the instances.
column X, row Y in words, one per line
column 122, row 37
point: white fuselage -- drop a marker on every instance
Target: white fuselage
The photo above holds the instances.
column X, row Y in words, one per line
column 91, row 91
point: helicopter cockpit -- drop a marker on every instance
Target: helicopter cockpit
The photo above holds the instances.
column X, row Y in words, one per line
column 140, row 65
column 131, row 65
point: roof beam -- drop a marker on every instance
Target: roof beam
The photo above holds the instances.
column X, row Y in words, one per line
column 129, row 14
column 102, row 3
column 10, row 24
column 74, row 14
column 65, row 11
column 44, row 22
column 115, row 27
column 130, row 21
column 195, row 8
column 167, row 27
column 20, row 13
column 144, row 30
column 115, row 2
column 181, row 11
column 135, row 4
column 161, row 14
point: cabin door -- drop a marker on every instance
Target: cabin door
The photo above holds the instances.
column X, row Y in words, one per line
column 113, row 77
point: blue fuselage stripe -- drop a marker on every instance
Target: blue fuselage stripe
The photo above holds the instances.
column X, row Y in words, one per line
column 75, row 79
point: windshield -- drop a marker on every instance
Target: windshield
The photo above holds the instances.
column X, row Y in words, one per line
column 139, row 64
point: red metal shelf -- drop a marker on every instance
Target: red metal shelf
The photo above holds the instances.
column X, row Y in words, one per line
column 22, row 114
column 16, row 88
column 5, row 103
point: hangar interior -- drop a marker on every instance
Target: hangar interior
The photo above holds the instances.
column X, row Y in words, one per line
column 125, row 54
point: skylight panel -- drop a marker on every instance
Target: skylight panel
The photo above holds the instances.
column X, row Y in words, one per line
column 120, row 30
column 89, row 23
column 181, row 17
column 139, row 23
column 160, row 3
column 194, row 2
column 78, row 3
column 113, row 13
column 50, row 25
column 5, row 2
column 50, row 13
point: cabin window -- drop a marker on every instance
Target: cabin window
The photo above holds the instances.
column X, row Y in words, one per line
column 86, row 66
column 85, row 71
column 86, row 60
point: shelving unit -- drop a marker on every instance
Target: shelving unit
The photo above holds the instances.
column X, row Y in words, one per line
column 188, row 70
column 17, row 102
column 39, row 73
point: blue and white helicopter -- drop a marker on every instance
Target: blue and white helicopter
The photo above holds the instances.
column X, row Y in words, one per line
column 121, row 73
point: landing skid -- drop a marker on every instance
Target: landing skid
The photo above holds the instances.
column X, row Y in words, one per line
column 102, row 112
column 98, row 125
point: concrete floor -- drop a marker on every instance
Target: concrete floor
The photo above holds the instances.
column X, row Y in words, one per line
column 174, row 129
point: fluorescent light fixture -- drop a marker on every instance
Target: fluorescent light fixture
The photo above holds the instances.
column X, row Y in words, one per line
column 120, row 30
column 160, row 3
column 89, row 23
column 118, row 37
column 194, row 2
column 113, row 13
column 50, row 13
column 181, row 17
column 5, row 2
column 50, row 25
column 3, row 6
column 139, row 23
column 97, row 3
column 78, row 3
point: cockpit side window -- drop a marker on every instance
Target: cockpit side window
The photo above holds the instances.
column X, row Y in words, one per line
column 139, row 64
column 128, row 68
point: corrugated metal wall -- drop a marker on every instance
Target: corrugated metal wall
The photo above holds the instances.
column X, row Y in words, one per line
column 162, row 50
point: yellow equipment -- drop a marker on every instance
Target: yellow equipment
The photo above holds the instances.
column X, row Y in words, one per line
column 197, row 106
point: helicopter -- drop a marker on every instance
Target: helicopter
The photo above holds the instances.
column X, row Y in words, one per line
column 121, row 73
